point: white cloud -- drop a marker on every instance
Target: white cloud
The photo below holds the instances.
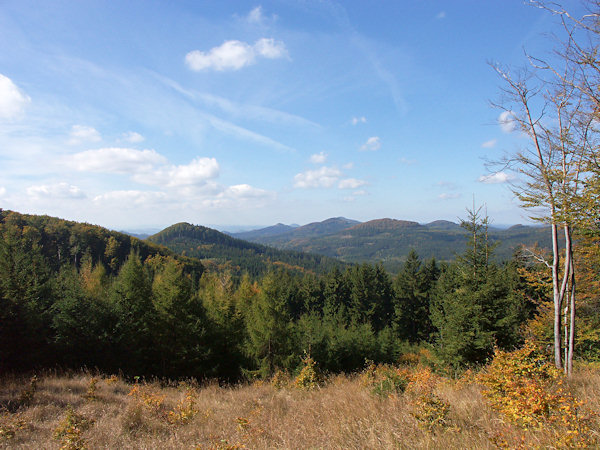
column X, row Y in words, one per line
column 233, row 55
column 496, row 178
column 372, row 144
column 324, row 177
column 348, row 166
column 245, row 191
column 2, row 191
column 507, row 121
column 351, row 183
column 489, row 144
column 256, row 15
column 318, row 158
column 357, row 120
column 448, row 196
column 12, row 100
column 441, row 15
column 116, row 160
column 198, row 172
column 83, row 133
column 57, row 190
column 133, row 137
column 131, row 197
column 146, row 166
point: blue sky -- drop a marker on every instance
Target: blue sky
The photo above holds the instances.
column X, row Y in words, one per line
column 140, row 114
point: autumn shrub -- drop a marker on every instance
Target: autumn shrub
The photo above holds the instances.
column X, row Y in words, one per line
column 531, row 392
column 308, row 378
column 186, row 409
column 427, row 407
column 27, row 394
column 91, row 389
column 280, row 379
column 11, row 424
column 147, row 397
column 70, row 429
column 385, row 380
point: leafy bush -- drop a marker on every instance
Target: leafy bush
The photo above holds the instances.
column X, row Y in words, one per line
column 532, row 393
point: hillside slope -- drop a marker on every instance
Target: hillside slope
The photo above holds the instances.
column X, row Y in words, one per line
column 63, row 242
column 390, row 240
column 216, row 248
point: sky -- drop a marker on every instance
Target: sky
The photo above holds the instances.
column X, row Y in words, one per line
column 141, row 114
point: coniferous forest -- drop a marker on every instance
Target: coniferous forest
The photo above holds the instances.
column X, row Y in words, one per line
column 192, row 338
column 76, row 295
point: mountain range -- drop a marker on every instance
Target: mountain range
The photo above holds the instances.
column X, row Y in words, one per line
column 390, row 240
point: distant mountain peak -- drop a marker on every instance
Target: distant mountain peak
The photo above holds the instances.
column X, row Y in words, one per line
column 386, row 224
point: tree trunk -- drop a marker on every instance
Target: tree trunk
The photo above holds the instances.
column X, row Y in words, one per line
column 557, row 298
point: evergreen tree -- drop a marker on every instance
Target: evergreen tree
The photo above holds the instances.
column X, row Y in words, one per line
column 269, row 326
column 412, row 286
column 131, row 295
column 474, row 306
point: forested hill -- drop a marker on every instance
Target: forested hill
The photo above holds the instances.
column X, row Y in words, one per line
column 215, row 248
column 390, row 240
column 64, row 243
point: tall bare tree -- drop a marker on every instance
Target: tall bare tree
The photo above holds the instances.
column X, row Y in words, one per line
column 555, row 105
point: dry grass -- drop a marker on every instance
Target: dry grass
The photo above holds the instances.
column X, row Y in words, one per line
column 342, row 413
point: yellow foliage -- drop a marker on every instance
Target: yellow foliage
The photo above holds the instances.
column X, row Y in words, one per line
column 70, row 429
column 307, row 378
column 532, row 393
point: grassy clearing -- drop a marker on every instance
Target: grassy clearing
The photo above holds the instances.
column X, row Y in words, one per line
column 363, row 411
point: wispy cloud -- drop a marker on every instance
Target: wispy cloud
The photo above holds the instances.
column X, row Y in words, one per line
column 507, row 121
column 130, row 197
column 318, row 158
column 441, row 15
column 324, row 177
column 133, row 137
column 234, row 55
column 357, row 120
column 496, row 178
column 351, row 183
column 449, row 196
column 407, row 162
column 256, row 15
column 372, row 144
column 489, row 144
column 116, row 160
column 52, row 191
column 12, row 100
column 82, row 133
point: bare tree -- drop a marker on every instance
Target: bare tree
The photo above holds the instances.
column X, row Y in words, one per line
column 555, row 102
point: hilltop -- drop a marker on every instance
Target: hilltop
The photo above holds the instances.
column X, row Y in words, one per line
column 390, row 240
column 214, row 248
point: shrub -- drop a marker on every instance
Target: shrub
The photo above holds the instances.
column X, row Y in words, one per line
column 70, row 429
column 307, row 378
column 532, row 393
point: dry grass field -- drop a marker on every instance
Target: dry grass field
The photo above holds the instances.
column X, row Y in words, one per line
column 349, row 412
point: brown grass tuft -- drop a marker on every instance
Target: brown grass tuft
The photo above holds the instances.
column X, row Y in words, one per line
column 339, row 413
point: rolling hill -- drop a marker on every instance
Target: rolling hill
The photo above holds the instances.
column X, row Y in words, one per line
column 219, row 249
column 390, row 240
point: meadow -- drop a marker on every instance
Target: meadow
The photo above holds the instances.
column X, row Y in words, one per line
column 384, row 406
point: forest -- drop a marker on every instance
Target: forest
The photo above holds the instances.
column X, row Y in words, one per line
column 76, row 295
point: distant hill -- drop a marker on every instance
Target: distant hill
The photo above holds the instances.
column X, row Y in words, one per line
column 278, row 236
column 274, row 230
column 390, row 240
column 219, row 249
